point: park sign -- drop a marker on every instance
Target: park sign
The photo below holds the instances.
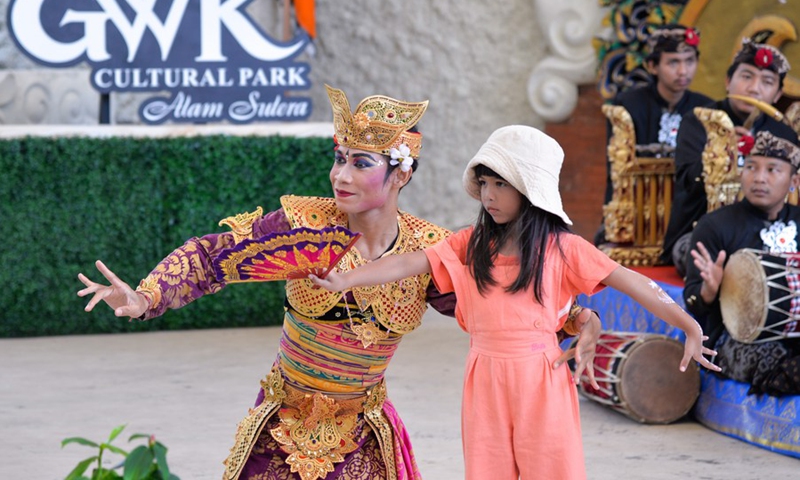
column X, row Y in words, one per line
column 208, row 57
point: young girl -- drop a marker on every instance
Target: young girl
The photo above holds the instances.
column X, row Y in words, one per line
column 515, row 275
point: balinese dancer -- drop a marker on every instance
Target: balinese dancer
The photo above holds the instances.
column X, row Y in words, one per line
column 322, row 411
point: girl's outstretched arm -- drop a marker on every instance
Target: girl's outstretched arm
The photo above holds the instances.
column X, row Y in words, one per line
column 654, row 299
column 384, row 270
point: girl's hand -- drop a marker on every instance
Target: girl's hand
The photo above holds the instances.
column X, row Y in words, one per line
column 693, row 348
column 333, row 282
column 585, row 349
column 119, row 295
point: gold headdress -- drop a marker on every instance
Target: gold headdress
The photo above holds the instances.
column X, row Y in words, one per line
column 378, row 124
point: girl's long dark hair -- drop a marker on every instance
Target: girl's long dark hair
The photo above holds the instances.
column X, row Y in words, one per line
column 531, row 231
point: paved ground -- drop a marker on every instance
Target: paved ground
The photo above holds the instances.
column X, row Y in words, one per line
column 191, row 388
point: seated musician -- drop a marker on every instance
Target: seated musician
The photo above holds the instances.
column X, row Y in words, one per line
column 757, row 71
column 764, row 221
column 658, row 107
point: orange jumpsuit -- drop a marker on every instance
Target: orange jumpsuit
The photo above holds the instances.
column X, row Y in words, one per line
column 519, row 417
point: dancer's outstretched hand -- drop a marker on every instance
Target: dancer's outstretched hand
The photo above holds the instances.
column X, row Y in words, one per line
column 119, row 295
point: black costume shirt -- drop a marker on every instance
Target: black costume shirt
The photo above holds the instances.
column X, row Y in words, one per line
column 689, row 198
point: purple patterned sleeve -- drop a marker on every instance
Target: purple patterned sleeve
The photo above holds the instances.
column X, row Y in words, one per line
column 187, row 273
column 270, row 223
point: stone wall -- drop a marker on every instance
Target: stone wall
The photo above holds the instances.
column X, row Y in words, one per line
column 482, row 65
column 472, row 63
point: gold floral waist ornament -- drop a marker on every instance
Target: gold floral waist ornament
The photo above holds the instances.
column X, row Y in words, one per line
column 315, row 430
column 318, row 431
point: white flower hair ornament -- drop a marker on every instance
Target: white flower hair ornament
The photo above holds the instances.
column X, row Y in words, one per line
column 402, row 156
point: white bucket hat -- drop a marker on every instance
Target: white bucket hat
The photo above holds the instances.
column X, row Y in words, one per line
column 526, row 158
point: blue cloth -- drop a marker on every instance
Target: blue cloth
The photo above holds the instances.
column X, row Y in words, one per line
column 765, row 421
column 620, row 313
column 723, row 405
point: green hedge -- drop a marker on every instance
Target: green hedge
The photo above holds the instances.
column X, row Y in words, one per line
column 66, row 202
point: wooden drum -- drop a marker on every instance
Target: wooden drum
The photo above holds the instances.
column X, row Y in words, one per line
column 639, row 376
column 760, row 296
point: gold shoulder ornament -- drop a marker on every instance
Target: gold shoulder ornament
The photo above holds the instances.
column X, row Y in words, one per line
column 241, row 225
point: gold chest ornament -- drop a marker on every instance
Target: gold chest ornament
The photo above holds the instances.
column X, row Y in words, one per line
column 397, row 306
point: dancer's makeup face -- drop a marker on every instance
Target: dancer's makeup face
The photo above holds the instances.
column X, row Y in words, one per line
column 358, row 179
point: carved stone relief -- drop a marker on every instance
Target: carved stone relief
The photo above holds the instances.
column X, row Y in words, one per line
column 46, row 96
column 568, row 27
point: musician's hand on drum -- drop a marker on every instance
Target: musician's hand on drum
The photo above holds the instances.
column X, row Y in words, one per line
column 119, row 295
column 710, row 271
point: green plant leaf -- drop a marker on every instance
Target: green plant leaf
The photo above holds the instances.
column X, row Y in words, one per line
column 115, row 433
column 117, row 450
column 161, row 458
column 139, row 435
column 77, row 472
column 79, row 440
column 137, row 463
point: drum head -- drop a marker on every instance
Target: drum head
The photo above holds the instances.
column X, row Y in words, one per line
column 744, row 296
column 652, row 387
